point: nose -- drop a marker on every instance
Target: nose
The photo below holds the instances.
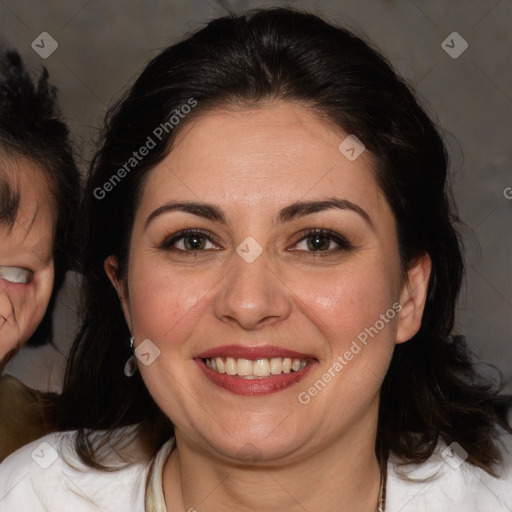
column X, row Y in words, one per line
column 252, row 295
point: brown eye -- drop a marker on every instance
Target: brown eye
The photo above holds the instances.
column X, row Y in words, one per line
column 194, row 242
column 318, row 243
column 189, row 240
column 322, row 242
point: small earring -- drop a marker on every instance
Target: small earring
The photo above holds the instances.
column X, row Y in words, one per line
column 130, row 367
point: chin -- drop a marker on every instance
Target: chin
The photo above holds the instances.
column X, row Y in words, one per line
column 250, row 447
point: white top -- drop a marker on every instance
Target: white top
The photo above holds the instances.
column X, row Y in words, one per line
column 46, row 476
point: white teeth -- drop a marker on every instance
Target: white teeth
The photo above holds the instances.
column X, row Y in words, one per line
column 276, row 366
column 244, row 367
column 230, row 366
column 16, row 275
column 259, row 368
column 220, row 365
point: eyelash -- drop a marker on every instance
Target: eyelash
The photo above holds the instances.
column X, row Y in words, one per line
column 343, row 243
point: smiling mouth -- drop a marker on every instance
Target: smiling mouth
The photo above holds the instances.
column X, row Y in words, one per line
column 255, row 369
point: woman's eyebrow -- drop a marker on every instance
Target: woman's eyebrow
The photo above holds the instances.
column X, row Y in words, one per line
column 205, row 210
column 286, row 214
column 303, row 208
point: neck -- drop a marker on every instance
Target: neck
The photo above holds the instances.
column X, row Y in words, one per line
column 342, row 475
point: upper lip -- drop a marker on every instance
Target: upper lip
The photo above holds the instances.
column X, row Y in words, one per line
column 259, row 352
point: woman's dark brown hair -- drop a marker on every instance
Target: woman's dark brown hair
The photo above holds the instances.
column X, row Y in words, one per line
column 431, row 390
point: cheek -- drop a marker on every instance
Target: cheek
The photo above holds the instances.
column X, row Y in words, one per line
column 22, row 307
column 163, row 304
column 36, row 302
column 15, row 320
column 8, row 328
column 347, row 301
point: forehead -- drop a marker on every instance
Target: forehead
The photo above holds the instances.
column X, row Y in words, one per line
column 24, row 183
column 278, row 152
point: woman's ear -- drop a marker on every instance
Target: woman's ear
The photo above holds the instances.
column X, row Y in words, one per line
column 413, row 297
column 111, row 266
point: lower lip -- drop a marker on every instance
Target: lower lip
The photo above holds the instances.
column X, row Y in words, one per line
column 254, row 387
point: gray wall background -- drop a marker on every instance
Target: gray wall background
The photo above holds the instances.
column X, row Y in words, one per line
column 103, row 44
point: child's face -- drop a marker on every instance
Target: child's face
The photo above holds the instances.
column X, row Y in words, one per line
column 27, row 224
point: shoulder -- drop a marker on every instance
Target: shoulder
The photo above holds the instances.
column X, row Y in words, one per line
column 15, row 394
column 48, row 475
column 446, row 483
column 21, row 415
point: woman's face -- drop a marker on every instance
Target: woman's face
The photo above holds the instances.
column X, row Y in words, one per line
column 26, row 259
column 292, row 261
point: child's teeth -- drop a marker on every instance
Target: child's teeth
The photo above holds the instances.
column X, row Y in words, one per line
column 259, row 368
